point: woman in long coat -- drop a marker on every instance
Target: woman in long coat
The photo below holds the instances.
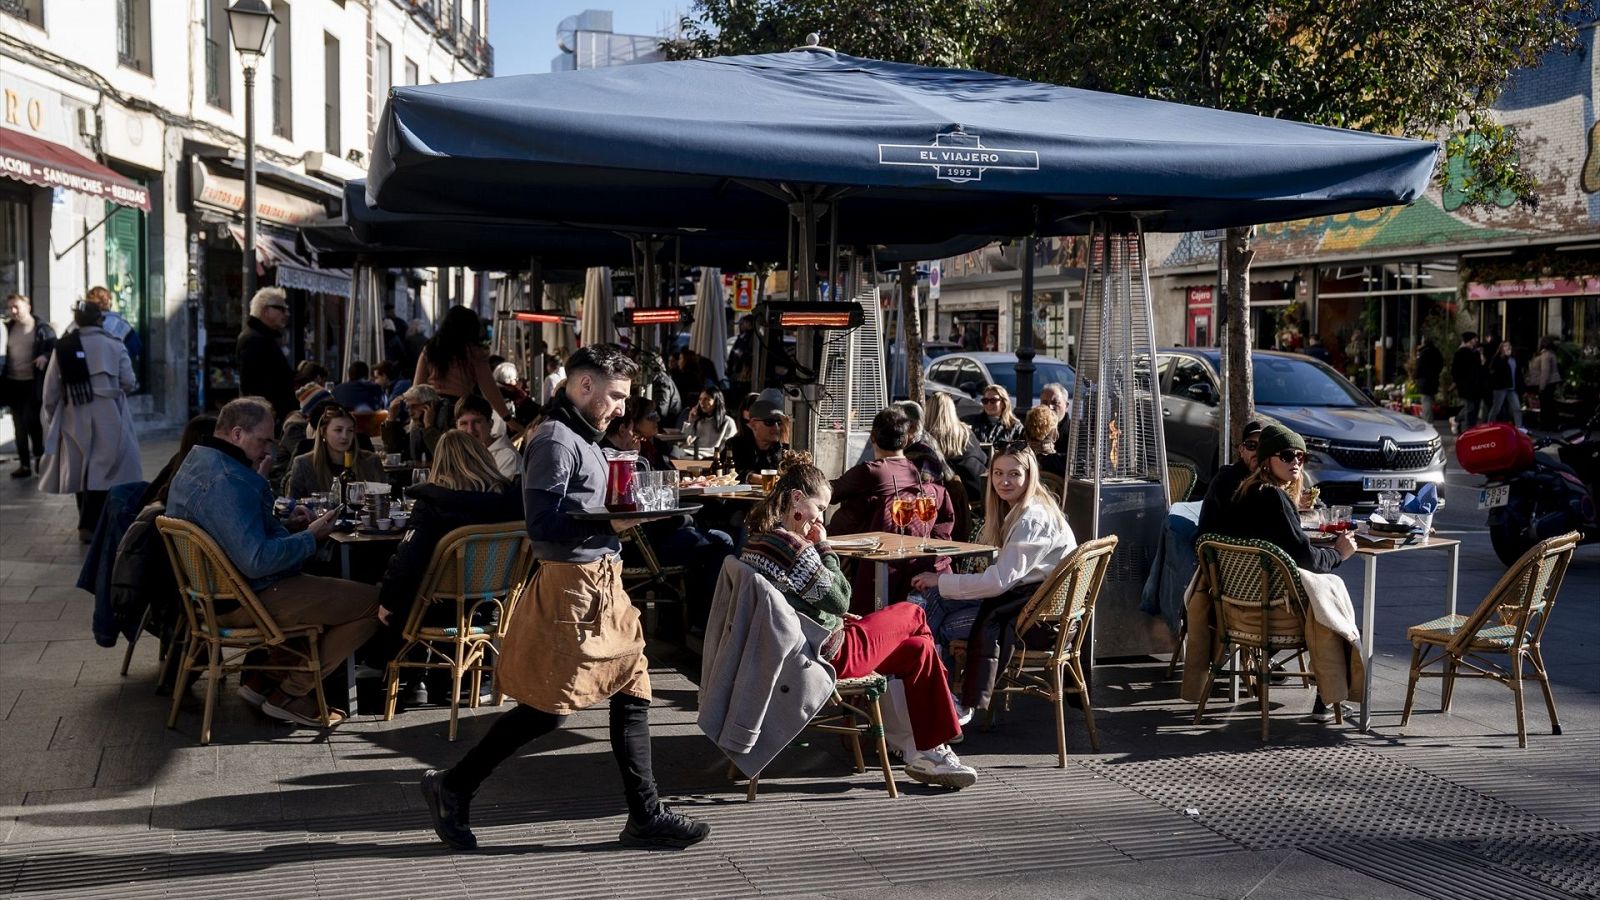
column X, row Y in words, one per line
column 89, row 444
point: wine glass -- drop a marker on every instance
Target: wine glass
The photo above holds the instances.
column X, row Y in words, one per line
column 927, row 509
column 355, row 494
column 901, row 510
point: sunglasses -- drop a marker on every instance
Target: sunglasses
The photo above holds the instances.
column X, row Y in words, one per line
column 1003, row 448
column 773, row 422
column 1291, row 456
column 989, row 400
column 278, row 306
column 1250, row 445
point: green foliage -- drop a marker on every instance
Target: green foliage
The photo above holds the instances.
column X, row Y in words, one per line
column 928, row 33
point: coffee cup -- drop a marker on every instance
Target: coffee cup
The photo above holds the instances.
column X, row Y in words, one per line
column 385, row 524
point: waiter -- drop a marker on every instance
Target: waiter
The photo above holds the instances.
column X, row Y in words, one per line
column 576, row 638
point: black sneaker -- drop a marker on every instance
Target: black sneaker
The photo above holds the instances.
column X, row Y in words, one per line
column 450, row 812
column 667, row 829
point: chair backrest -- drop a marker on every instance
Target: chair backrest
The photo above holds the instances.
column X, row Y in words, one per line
column 205, row 576
column 476, row 564
column 1180, row 481
column 1525, row 595
column 1068, row 596
column 1248, row 572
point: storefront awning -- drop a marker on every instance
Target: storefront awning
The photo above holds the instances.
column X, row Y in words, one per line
column 274, row 252
column 48, row 164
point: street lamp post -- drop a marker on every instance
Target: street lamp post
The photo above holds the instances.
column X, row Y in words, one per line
column 251, row 23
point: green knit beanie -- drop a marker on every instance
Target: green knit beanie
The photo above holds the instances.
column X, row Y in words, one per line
column 1275, row 439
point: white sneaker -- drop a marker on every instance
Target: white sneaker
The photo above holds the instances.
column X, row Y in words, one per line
column 941, row 766
column 963, row 713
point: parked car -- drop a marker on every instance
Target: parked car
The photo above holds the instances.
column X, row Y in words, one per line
column 1348, row 437
column 964, row 375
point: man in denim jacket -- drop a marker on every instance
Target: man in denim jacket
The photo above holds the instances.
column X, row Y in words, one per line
column 220, row 487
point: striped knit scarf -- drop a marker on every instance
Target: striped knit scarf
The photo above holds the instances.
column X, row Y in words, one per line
column 786, row 559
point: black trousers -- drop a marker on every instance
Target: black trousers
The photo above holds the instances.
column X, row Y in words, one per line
column 630, row 744
column 90, row 505
column 25, row 412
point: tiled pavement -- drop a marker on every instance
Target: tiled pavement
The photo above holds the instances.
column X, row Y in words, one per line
column 97, row 798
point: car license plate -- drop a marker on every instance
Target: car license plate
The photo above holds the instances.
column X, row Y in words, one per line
column 1494, row 495
column 1387, row 483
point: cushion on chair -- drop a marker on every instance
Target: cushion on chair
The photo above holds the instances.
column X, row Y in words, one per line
column 871, row 685
column 447, row 632
column 1444, row 629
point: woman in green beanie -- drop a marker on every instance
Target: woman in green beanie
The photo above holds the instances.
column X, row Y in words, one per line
column 1265, row 506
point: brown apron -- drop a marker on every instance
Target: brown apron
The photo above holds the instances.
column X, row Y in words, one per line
column 574, row 639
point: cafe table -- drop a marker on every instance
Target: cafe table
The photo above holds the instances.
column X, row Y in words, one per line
column 1370, row 553
column 346, row 540
column 893, row 548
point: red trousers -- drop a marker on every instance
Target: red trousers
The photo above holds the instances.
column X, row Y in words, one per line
column 896, row 641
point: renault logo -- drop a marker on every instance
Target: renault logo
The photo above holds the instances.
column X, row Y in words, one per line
column 1390, row 452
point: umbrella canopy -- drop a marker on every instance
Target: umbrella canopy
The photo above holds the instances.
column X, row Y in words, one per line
column 598, row 308
column 926, row 153
column 708, row 336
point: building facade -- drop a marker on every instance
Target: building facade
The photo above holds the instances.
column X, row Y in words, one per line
column 147, row 97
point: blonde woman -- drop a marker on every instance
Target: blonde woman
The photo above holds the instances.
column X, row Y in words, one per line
column 955, row 441
column 464, row 487
column 997, row 423
column 1265, row 505
column 333, row 452
column 1041, row 426
column 1033, row 536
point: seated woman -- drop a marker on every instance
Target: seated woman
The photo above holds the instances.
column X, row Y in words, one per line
column 996, row 424
column 865, row 493
column 1264, row 506
column 1042, row 429
column 333, row 452
column 635, row 431
column 789, row 547
column 709, row 425
column 463, row 488
column 411, row 429
column 1033, row 536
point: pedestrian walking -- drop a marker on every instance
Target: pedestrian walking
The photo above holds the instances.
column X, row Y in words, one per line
column 29, row 343
column 1466, row 371
column 1544, row 376
column 89, row 444
column 263, row 368
column 1505, row 383
column 1429, row 366
column 576, row 639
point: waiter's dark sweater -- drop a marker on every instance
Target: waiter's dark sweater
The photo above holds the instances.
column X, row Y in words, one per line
column 565, row 470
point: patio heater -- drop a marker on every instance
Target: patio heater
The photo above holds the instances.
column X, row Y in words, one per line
column 1117, row 454
column 852, row 378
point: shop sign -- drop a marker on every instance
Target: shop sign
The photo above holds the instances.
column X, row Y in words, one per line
column 33, row 109
column 1201, row 296
column 744, row 293
column 1533, row 287
column 958, row 156
column 225, row 193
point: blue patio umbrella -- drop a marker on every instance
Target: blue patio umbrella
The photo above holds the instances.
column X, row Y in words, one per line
column 910, row 154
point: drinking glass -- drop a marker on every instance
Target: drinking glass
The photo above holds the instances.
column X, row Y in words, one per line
column 669, row 489
column 901, row 509
column 1340, row 516
column 927, row 509
column 649, row 488
column 419, row 476
column 355, row 494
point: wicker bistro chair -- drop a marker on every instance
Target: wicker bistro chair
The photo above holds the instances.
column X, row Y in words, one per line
column 1064, row 603
column 1511, row 620
column 481, row 570
column 205, row 577
column 856, row 714
column 1260, row 608
column 1180, row 481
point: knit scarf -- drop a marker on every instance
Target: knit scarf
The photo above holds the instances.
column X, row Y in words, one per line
column 74, row 368
column 786, row 559
column 562, row 410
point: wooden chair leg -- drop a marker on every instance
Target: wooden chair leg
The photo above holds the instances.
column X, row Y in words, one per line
column 314, row 663
column 1264, row 677
column 213, row 675
column 1216, row 667
column 1516, row 692
column 876, row 711
column 1058, row 700
column 1076, row 668
column 185, row 662
column 1449, row 689
column 1177, row 652
column 1544, row 685
column 1411, row 686
column 477, row 676
column 455, row 686
column 391, row 688
column 176, row 651
column 127, row 655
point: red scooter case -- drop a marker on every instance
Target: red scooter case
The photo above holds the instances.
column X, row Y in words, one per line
column 1493, row 448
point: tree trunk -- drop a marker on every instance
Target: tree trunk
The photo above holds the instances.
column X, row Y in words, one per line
column 911, row 317
column 1239, row 379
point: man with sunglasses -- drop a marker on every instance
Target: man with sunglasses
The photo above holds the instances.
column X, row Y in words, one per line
column 762, row 445
column 263, row 369
column 1228, row 478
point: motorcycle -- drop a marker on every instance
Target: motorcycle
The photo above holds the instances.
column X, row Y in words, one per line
column 1534, row 492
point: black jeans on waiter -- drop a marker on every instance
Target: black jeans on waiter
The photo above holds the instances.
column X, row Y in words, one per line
column 630, row 744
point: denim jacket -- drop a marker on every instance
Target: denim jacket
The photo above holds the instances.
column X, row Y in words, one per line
column 233, row 504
